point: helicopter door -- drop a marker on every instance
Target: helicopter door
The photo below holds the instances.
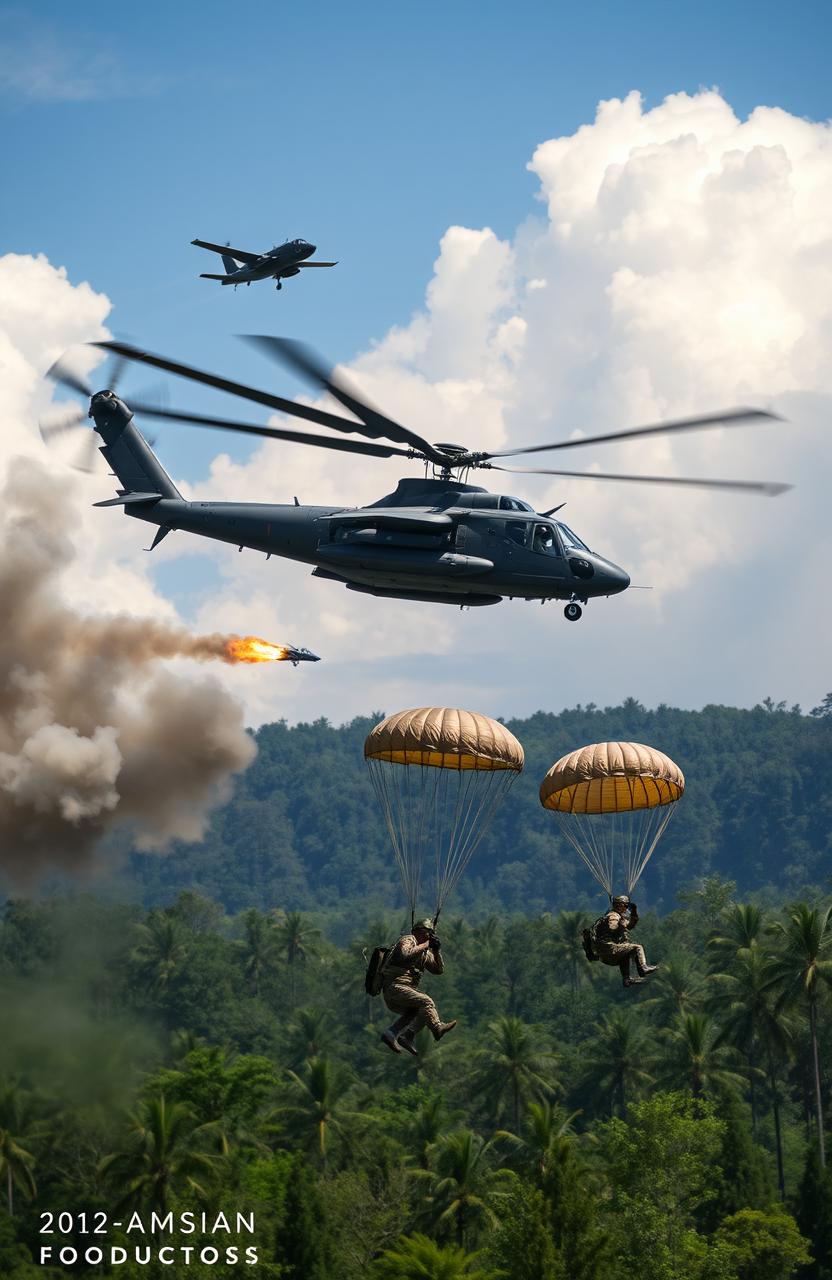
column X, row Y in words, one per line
column 508, row 540
column 516, row 535
column 544, row 558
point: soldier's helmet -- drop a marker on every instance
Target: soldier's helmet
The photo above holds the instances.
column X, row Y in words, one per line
column 427, row 923
column 621, row 900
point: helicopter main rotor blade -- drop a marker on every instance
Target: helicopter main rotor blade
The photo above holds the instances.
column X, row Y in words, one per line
column 85, row 457
column 70, row 421
column 66, row 377
column 769, row 489
column 272, row 433
column 729, row 418
column 265, row 398
column 308, row 363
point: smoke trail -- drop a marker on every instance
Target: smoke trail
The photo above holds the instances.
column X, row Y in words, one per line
column 92, row 733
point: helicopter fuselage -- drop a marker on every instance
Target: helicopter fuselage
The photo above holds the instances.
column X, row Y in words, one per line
column 433, row 539
column 464, row 545
column 437, row 540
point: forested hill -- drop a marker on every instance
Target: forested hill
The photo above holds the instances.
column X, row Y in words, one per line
column 303, row 829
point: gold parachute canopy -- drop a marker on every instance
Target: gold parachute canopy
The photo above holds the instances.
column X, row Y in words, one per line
column 440, row 774
column 611, row 777
column 444, row 738
column 613, row 801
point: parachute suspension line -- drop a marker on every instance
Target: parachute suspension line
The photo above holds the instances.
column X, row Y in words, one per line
column 458, row 836
column 479, row 801
column 582, row 840
column 648, row 844
column 394, row 805
column 625, row 840
column 436, row 817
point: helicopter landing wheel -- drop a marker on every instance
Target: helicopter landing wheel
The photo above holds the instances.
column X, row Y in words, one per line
column 572, row 612
column 278, row 285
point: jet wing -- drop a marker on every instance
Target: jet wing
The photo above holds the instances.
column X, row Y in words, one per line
column 315, row 264
column 238, row 254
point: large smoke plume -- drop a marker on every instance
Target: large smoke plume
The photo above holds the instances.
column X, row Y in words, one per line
column 93, row 733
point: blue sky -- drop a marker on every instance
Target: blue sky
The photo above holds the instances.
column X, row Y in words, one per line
column 369, row 129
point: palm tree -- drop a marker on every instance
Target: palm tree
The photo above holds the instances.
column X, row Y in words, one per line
column 567, row 946
column 743, row 1000
column 165, row 1156
column 617, row 1052
column 487, row 937
column 458, row 936
column 805, row 961
column 308, row 1035
column 514, row 1068
column 694, row 1060
column 678, row 987
column 315, row 1106
column 259, row 947
column 160, row 951
column 16, row 1163
column 544, row 1126
column 297, row 941
column 465, row 1185
column 417, row 1257
column 426, row 1125
column 740, row 926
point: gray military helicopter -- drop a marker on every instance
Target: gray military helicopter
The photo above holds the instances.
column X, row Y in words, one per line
column 242, row 267
column 435, row 538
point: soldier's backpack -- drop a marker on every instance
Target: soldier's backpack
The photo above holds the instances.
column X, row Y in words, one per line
column 374, row 976
column 588, row 941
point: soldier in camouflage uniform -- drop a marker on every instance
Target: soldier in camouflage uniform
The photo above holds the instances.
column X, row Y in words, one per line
column 612, row 940
column 408, row 959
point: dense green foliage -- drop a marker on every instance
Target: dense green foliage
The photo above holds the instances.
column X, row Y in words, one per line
column 186, row 1059
column 303, row 830
column 202, row 1041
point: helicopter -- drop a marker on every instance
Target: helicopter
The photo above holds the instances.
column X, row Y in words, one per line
column 436, row 538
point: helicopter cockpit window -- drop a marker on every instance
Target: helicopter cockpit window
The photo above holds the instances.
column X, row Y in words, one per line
column 514, row 504
column 516, row 531
column 545, row 540
column 571, row 540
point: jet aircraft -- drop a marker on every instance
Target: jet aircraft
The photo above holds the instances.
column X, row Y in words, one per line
column 295, row 655
column 242, row 267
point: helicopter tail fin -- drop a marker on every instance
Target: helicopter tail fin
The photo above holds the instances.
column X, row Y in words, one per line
column 230, row 265
column 134, row 462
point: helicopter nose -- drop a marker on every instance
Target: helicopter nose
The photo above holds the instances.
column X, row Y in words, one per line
column 313, row 248
column 619, row 579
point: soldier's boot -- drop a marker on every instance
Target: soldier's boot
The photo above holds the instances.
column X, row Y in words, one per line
column 633, row 982
column 442, row 1029
column 406, row 1042
column 389, row 1038
column 647, row 968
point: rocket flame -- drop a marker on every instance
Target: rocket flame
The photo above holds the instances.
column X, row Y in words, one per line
column 254, row 649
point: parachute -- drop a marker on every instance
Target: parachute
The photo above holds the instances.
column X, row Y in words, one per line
column 440, row 774
column 613, row 801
